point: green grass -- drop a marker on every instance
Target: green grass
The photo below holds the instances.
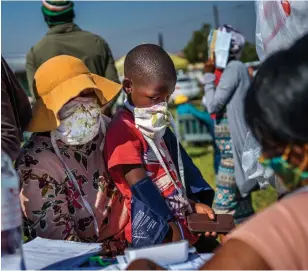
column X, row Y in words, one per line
column 203, row 159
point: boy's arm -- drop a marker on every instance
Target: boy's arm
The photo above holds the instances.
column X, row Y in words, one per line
column 135, row 174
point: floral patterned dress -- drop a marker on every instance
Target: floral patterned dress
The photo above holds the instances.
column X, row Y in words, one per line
column 53, row 207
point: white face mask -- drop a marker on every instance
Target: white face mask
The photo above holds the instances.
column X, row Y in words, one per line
column 152, row 123
column 79, row 121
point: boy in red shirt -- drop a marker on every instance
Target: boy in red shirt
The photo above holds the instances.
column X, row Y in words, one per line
column 139, row 162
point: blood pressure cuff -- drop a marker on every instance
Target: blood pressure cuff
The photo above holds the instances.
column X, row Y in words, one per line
column 150, row 214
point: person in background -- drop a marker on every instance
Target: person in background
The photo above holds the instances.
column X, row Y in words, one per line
column 15, row 111
column 275, row 109
column 150, row 177
column 66, row 192
column 66, row 38
column 184, row 107
column 226, row 101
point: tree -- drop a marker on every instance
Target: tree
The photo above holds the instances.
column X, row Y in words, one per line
column 196, row 49
column 249, row 53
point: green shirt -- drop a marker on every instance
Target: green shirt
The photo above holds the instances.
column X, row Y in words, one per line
column 69, row 39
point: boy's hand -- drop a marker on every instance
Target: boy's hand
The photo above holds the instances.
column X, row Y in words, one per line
column 201, row 208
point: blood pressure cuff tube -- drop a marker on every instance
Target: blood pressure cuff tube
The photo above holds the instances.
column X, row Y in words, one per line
column 150, row 214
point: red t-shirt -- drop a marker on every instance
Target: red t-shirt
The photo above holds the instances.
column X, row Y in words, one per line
column 125, row 145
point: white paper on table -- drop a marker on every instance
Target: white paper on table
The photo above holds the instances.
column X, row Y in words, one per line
column 222, row 47
column 194, row 262
column 57, row 254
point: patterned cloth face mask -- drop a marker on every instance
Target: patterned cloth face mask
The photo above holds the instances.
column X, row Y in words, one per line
column 292, row 177
column 79, row 121
column 152, row 121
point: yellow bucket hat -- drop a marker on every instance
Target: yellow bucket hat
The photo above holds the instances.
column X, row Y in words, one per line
column 180, row 99
column 59, row 80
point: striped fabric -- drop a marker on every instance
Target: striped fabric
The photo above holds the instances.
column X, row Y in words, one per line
column 57, row 5
column 58, row 12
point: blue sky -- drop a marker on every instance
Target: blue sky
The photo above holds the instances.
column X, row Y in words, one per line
column 124, row 24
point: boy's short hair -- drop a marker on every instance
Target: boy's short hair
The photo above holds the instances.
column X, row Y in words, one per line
column 149, row 61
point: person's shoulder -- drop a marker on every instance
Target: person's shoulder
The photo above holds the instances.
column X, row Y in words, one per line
column 236, row 64
column 294, row 203
column 286, row 211
column 279, row 230
column 238, row 69
column 122, row 123
column 124, row 142
column 122, row 116
column 40, row 46
column 36, row 150
column 95, row 37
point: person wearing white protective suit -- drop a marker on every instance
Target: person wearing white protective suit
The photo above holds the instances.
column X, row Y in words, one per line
column 66, row 192
column 279, row 25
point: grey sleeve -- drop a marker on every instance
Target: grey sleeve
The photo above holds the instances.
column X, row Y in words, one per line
column 217, row 99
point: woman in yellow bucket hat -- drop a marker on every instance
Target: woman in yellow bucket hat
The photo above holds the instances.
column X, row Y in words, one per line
column 66, row 192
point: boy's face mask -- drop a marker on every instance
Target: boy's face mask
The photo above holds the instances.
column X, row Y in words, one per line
column 151, row 121
column 292, row 177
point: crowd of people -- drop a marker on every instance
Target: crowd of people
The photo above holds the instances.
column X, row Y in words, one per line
column 125, row 180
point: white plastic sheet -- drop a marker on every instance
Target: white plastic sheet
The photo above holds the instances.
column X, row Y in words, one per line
column 255, row 173
column 279, row 24
column 252, row 168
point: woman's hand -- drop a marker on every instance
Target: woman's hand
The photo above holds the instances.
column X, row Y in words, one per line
column 201, row 208
column 209, row 66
